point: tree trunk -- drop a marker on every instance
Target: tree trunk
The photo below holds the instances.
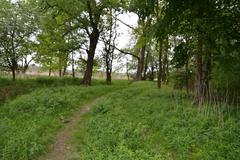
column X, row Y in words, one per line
column 109, row 77
column 13, row 58
column 164, row 68
column 146, row 67
column 165, row 63
column 108, row 68
column 207, row 74
column 50, row 71
column 25, row 68
column 60, row 72
column 167, row 71
column 91, row 52
column 160, row 64
column 64, row 71
column 141, row 64
column 73, row 66
column 187, row 77
column 151, row 77
column 60, row 66
column 127, row 71
column 50, row 68
column 198, row 75
column 13, row 74
column 65, row 64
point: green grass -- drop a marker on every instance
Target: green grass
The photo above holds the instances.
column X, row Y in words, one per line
column 29, row 122
column 147, row 124
column 9, row 89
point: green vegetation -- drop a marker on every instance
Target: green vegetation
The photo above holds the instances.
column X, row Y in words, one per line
column 11, row 89
column 144, row 123
column 193, row 44
column 28, row 123
column 190, row 45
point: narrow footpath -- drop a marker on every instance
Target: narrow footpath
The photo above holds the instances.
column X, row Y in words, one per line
column 62, row 147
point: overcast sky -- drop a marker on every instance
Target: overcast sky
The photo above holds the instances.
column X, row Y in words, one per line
column 123, row 40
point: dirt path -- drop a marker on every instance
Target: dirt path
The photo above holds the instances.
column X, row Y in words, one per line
column 60, row 149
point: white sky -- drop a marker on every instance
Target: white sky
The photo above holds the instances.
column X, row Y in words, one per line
column 130, row 19
column 123, row 40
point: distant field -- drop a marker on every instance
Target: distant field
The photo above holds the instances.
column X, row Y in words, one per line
column 37, row 73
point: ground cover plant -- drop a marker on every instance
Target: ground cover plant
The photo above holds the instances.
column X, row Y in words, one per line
column 144, row 123
column 29, row 122
column 185, row 45
column 11, row 89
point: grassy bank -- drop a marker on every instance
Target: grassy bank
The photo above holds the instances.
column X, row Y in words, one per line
column 29, row 122
column 144, row 123
column 9, row 89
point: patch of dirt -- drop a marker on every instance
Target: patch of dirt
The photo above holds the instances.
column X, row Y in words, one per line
column 60, row 149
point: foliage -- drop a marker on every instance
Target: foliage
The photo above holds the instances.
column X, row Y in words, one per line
column 30, row 122
column 11, row 89
column 143, row 123
column 18, row 26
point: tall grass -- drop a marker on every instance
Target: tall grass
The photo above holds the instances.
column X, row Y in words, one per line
column 145, row 123
column 11, row 89
column 29, row 123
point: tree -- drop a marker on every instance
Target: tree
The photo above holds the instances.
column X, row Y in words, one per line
column 17, row 28
column 109, row 39
column 88, row 14
column 144, row 9
column 59, row 39
column 206, row 23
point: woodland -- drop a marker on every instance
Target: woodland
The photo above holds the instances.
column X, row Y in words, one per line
column 179, row 99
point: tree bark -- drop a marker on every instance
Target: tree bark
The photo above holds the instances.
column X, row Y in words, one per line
column 73, row 66
column 207, row 74
column 108, row 67
column 187, row 76
column 50, row 71
column 109, row 77
column 127, row 71
column 50, row 68
column 151, row 77
column 165, row 63
column 198, row 75
column 60, row 72
column 140, row 68
column 91, row 52
column 160, row 64
column 145, row 67
column 64, row 71
column 164, row 68
column 13, row 74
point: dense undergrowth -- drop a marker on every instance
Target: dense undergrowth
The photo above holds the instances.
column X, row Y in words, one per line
column 144, row 123
column 29, row 122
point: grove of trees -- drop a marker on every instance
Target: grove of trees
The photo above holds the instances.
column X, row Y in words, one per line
column 189, row 44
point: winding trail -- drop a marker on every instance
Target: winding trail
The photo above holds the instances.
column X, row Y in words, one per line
column 61, row 147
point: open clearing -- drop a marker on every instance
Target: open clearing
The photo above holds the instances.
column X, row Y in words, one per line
column 129, row 121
